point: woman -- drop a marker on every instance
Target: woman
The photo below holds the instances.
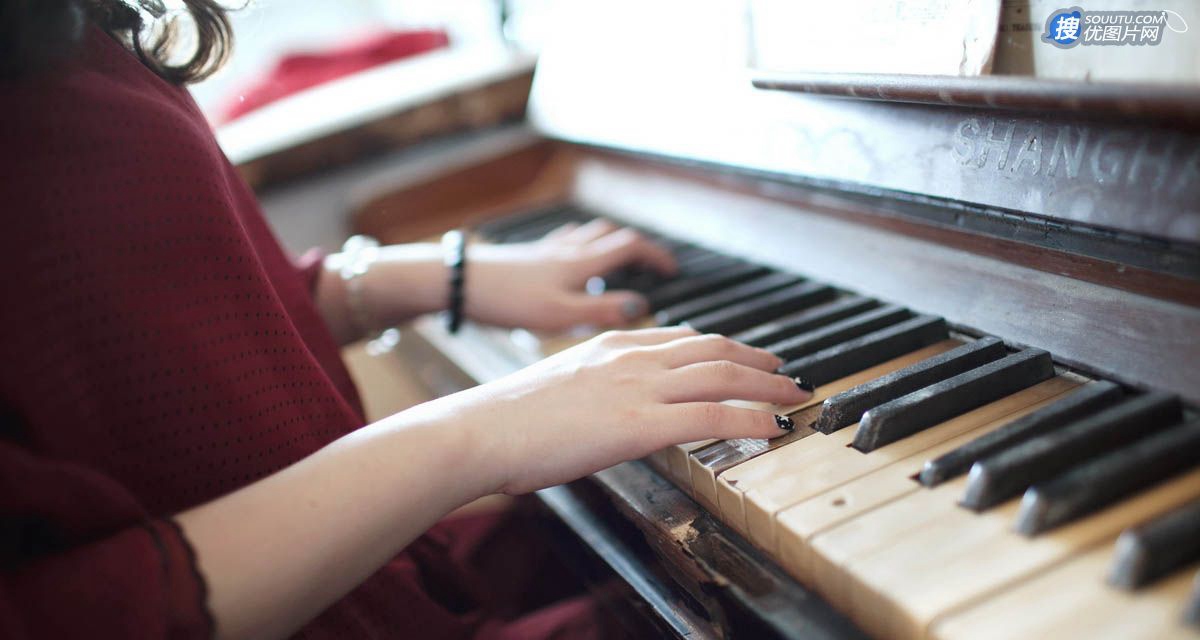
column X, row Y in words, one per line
column 182, row 453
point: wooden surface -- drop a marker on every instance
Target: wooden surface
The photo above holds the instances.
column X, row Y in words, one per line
column 742, row 592
column 534, row 175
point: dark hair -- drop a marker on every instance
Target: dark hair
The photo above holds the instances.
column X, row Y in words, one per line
column 36, row 33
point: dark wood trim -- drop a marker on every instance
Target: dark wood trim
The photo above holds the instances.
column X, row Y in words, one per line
column 881, row 212
column 1177, row 105
column 747, row 594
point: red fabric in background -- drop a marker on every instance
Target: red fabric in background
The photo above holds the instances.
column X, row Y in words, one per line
column 299, row 71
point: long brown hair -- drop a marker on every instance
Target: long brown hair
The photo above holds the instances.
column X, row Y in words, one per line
column 36, row 33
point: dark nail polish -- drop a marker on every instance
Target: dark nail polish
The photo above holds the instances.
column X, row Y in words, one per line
column 785, row 423
column 804, row 385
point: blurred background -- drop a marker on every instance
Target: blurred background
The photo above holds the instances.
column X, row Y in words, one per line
column 269, row 30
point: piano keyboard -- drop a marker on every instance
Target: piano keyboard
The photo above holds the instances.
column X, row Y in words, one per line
column 937, row 485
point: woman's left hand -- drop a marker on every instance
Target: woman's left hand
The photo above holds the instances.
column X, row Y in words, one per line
column 535, row 285
column 540, row 285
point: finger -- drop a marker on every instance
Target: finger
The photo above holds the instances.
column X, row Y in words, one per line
column 707, row 347
column 612, row 309
column 650, row 336
column 624, row 247
column 590, row 231
column 722, row 380
column 559, row 234
column 692, row 421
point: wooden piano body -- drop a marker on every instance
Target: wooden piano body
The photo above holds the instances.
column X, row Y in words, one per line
column 1062, row 221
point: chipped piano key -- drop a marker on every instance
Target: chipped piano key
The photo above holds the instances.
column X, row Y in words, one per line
column 758, row 310
column 1008, row 473
column 806, row 320
column 1111, row 477
column 1157, row 548
column 682, row 289
column 1091, row 398
column 938, row 402
column 859, row 353
column 840, row 331
column 748, row 290
column 848, row 407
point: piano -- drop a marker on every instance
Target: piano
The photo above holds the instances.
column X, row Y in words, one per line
column 993, row 284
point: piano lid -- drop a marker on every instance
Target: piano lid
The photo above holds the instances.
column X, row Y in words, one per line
column 669, row 78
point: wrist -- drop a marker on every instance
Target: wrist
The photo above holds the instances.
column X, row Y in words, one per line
column 332, row 304
column 406, row 281
column 458, row 440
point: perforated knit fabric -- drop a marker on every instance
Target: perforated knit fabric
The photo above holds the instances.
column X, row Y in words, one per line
column 158, row 350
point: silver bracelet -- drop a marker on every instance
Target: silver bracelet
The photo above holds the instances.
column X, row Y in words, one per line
column 357, row 256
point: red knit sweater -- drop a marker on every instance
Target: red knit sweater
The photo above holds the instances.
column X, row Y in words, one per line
column 158, row 350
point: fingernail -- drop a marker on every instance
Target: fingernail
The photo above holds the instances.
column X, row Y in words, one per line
column 633, row 309
column 804, row 385
column 784, row 422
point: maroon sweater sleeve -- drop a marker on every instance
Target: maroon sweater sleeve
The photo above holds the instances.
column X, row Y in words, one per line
column 74, row 567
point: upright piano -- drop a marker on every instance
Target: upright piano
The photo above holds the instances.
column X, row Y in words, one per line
column 993, row 283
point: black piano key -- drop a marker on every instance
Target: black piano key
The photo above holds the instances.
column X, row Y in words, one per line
column 756, row 311
column 642, row 279
column 1088, row 399
column 531, row 232
column 847, row 407
column 1102, row 481
column 807, row 320
column 862, row 352
column 941, row 401
column 497, row 227
column 1191, row 610
column 681, row 289
column 1006, row 474
column 748, row 290
column 1157, row 548
column 838, row 332
column 537, row 226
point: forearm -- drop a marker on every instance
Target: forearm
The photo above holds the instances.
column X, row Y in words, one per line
column 279, row 551
column 404, row 282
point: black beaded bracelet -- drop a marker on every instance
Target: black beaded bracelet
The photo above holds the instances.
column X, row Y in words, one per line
column 454, row 247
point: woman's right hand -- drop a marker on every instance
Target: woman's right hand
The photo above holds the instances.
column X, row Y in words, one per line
column 617, row 397
column 349, row 507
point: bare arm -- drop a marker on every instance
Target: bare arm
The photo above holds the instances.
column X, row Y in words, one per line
column 279, row 551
